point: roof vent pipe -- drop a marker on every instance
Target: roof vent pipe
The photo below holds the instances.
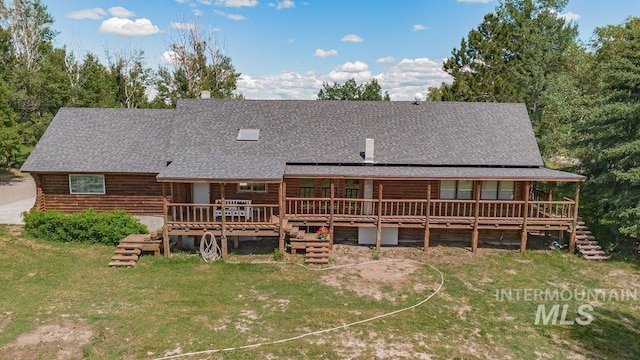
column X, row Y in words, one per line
column 368, row 151
column 205, row 94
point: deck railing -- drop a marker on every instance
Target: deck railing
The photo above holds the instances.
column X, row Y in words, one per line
column 321, row 209
column 186, row 213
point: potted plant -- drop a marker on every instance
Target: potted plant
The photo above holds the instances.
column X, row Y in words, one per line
column 322, row 233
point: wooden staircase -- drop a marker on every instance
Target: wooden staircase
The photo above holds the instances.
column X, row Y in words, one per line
column 316, row 250
column 586, row 244
column 131, row 247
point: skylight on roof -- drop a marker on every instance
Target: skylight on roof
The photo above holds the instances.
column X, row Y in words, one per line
column 248, row 134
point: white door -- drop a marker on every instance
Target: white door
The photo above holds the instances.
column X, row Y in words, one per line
column 201, row 193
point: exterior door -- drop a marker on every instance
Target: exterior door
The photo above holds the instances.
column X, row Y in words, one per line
column 201, row 193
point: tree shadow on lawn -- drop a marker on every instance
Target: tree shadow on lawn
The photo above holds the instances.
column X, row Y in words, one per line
column 613, row 334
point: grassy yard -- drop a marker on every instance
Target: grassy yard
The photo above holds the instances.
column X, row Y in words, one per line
column 61, row 300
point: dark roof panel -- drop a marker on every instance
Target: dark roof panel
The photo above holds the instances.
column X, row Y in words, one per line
column 432, row 172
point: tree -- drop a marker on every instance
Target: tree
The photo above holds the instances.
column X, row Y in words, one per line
column 511, row 56
column 609, row 139
column 198, row 64
column 130, row 77
column 353, row 91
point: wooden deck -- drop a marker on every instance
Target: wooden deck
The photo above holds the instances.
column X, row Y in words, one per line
column 427, row 214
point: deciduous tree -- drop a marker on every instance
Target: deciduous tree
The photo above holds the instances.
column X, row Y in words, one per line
column 353, row 91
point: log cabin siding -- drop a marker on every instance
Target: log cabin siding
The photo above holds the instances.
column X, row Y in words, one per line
column 231, row 193
column 137, row 194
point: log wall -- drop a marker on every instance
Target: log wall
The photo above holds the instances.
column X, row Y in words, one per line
column 137, row 194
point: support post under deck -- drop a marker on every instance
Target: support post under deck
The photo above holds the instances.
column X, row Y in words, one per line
column 427, row 233
column 574, row 225
column 379, row 222
column 524, row 233
column 474, row 238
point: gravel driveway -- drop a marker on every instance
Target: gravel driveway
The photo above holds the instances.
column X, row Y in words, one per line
column 16, row 195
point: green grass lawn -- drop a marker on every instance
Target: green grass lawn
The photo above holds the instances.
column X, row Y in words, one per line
column 60, row 294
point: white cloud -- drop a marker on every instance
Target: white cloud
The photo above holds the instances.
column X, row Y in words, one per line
column 283, row 4
column 237, row 3
column 181, row 26
column 388, row 59
column 418, row 27
column 325, row 53
column 127, row 27
column 119, row 11
column 357, row 66
column 475, row 1
column 569, row 16
column 197, row 12
column 352, row 38
column 93, row 14
column 410, row 76
column 168, row 58
column 181, row 1
column 402, row 80
column 205, row 2
column 236, row 17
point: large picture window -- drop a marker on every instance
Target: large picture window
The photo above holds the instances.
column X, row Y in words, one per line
column 307, row 188
column 498, row 190
column 86, row 184
column 352, row 188
column 456, row 189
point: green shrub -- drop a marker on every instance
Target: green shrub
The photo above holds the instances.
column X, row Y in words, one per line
column 278, row 255
column 88, row 226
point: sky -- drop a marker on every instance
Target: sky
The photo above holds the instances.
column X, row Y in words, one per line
column 286, row 49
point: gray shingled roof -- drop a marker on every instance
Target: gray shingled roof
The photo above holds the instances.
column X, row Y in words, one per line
column 432, row 172
column 198, row 139
column 311, row 131
column 103, row 140
column 225, row 168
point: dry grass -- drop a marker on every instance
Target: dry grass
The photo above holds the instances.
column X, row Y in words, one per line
column 62, row 301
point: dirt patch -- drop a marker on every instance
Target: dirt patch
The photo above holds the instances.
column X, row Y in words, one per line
column 62, row 339
column 380, row 280
column 5, row 319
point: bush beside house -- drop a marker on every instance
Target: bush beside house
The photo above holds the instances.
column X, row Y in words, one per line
column 87, row 226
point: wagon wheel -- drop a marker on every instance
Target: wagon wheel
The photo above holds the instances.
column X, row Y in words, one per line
column 209, row 248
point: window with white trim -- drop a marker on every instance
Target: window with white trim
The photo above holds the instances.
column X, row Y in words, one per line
column 85, row 184
column 498, row 190
column 252, row 187
column 456, row 189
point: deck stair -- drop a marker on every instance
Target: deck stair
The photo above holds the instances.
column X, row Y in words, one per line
column 586, row 244
column 316, row 250
column 131, row 247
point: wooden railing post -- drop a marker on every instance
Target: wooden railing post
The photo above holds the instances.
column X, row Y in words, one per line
column 523, row 234
column 427, row 214
column 281, row 216
column 165, row 229
column 223, row 236
column 331, row 211
column 474, row 238
column 379, row 222
column 574, row 225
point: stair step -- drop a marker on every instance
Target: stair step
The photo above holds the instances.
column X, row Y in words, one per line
column 123, row 251
column 588, row 247
column 585, row 237
column 586, row 242
column 592, row 252
column 582, row 232
column 122, row 263
column 119, row 257
column 318, row 251
column 316, row 255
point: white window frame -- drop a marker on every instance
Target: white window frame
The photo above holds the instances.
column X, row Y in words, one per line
column 457, row 190
column 71, row 187
column 496, row 194
column 251, row 188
